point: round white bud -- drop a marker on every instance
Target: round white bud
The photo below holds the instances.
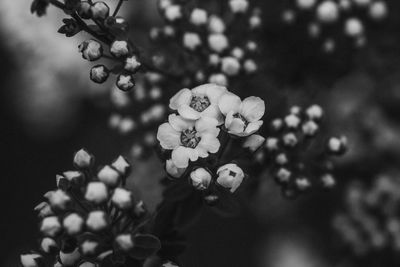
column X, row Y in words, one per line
column 96, row 192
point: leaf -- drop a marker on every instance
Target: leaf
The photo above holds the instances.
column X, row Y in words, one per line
column 144, row 246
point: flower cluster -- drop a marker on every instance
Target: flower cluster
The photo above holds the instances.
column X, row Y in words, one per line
column 296, row 156
column 206, row 137
column 331, row 22
column 137, row 114
column 218, row 42
column 370, row 222
column 92, row 219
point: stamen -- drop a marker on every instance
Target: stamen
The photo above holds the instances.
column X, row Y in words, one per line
column 189, row 138
column 199, row 103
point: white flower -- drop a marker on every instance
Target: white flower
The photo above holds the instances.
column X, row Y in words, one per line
column 173, row 170
column 191, row 40
column 253, row 142
column 96, row 192
column 353, row 27
column 314, row 112
column 173, row 12
column 230, row 176
column 71, row 258
column 96, row 220
column 119, row 48
column 58, row 199
column 30, row 260
column 283, row 175
column 288, row 16
column 218, row 42
column 125, row 82
column 255, row 21
column 216, row 24
column 91, row 50
column 290, row 139
column 73, row 224
column 238, row 6
column 100, row 10
column 48, row 244
column 99, row 73
column 310, row 128
column 243, row 118
column 201, row 101
column 378, row 10
column 200, row 178
column 198, row 17
column 82, row 159
column 50, row 226
column 89, row 247
column 189, row 139
column 124, row 242
column 272, row 144
column 292, row 121
column 230, row 66
column 214, row 59
column 109, row 176
column 305, row 4
column 121, row 165
column 328, row 11
column 237, row 52
column 132, row 64
column 163, row 4
column 122, row 198
column 218, row 79
column 314, row 30
column 250, row 66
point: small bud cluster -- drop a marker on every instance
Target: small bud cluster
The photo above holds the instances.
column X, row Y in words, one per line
column 91, row 219
column 331, row 22
column 221, row 46
column 370, row 222
column 137, row 114
column 299, row 159
column 209, row 137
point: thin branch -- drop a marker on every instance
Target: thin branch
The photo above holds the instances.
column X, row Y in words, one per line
column 117, row 8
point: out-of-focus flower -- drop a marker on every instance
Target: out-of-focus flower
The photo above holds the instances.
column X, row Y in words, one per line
column 99, row 74
column 200, row 178
column 119, row 48
column 100, row 10
column 238, row 6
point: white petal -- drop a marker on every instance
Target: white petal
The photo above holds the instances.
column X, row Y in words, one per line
column 188, row 113
column 229, row 102
column 236, row 127
column 168, row 137
column 207, row 125
column 182, row 97
column 179, row 123
column 214, row 93
column 228, row 120
column 213, row 112
column 208, row 143
column 180, row 156
column 252, row 108
column 201, row 90
column 253, row 127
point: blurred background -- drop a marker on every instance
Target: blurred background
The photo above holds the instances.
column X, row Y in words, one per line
column 50, row 109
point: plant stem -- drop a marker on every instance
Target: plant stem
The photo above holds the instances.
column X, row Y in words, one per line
column 117, row 8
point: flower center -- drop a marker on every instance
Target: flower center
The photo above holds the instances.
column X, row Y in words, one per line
column 189, row 138
column 239, row 116
column 199, row 103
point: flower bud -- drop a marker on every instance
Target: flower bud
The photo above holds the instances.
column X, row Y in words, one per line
column 58, row 199
column 96, row 192
column 191, row 40
column 378, row 10
column 99, row 74
column 216, row 24
column 48, row 245
column 302, row 183
column 283, row 175
column 218, row 79
column 281, row 159
column 173, row 170
column 82, row 159
column 91, row 50
column 250, row 66
column 132, row 64
column 30, row 260
column 310, row 128
column 314, row 112
column 353, row 27
column 328, row 11
column 119, row 49
column 238, row 6
column 125, row 82
column 84, row 10
column 305, row 4
column 87, row 264
column 121, row 165
column 230, row 66
column 44, row 210
column 50, row 226
column 218, row 42
column 122, row 198
column 290, row 140
column 109, row 176
column 292, row 121
column 198, row 17
column 230, row 176
column 100, row 10
column 89, row 247
column 328, row 181
column 70, row 258
column 73, row 224
column 272, row 144
column 173, row 12
column 169, row 264
column 124, row 242
column 96, row 220
column 200, row 178
column 254, row 142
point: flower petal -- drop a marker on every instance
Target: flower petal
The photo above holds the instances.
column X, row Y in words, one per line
column 208, row 143
column 229, row 102
column 236, row 127
column 168, row 137
column 181, row 156
column 201, row 90
column 214, row 93
column 228, row 120
column 253, row 127
column 188, row 113
column 182, row 97
column 207, row 125
column 213, row 112
column 252, row 108
column 179, row 123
